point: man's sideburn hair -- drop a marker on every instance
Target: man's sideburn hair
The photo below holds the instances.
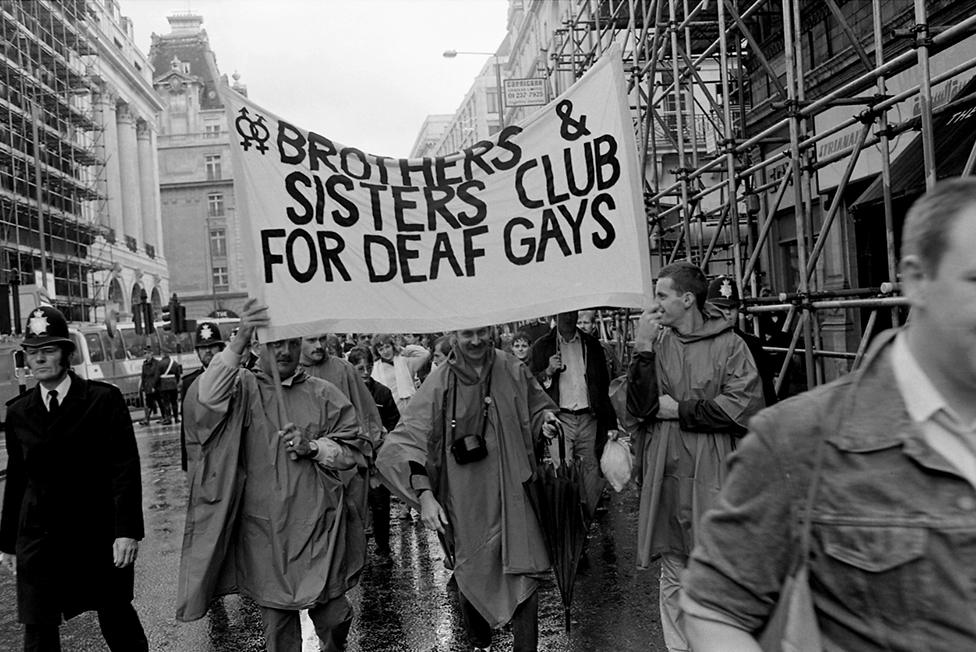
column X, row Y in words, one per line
column 931, row 218
column 686, row 277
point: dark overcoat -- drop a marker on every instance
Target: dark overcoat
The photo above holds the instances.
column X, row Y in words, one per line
column 73, row 486
column 597, row 380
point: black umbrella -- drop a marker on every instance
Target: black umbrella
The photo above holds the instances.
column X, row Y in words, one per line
column 556, row 494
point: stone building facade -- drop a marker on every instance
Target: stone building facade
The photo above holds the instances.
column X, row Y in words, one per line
column 200, row 229
column 77, row 140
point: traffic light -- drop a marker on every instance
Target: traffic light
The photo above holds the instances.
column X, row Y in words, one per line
column 137, row 318
column 167, row 316
column 181, row 319
column 174, row 316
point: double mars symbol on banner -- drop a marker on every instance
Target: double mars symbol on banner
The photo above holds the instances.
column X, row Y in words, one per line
column 545, row 216
column 256, row 131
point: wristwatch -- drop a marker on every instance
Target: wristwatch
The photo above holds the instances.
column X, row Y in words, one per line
column 313, row 448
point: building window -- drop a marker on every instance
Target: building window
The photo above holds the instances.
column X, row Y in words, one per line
column 220, row 281
column 177, row 102
column 215, row 201
column 211, row 130
column 218, row 244
column 213, row 167
column 491, row 95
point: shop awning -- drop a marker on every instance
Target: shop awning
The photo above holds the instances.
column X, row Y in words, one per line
column 955, row 133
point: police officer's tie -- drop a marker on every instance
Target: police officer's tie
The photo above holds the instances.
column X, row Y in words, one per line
column 52, row 403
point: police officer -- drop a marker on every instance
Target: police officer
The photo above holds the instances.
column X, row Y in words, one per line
column 72, row 505
column 724, row 295
column 207, row 344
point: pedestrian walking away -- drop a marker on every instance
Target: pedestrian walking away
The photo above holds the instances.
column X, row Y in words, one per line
column 707, row 389
column 170, row 371
column 72, row 503
column 464, row 446
column 867, row 485
column 149, row 387
column 274, row 508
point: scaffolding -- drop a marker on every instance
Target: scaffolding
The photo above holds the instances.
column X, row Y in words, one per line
column 725, row 90
column 48, row 164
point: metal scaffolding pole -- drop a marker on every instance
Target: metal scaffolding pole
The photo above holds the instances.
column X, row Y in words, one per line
column 670, row 59
column 793, row 105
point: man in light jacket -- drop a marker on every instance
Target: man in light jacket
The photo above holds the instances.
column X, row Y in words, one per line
column 893, row 518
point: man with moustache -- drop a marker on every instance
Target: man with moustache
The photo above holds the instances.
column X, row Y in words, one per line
column 273, row 511
column 881, row 462
column 463, row 449
column 72, row 504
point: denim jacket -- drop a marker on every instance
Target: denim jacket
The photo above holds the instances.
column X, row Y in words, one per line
column 893, row 548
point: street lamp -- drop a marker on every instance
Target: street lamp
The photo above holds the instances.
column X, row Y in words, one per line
column 450, row 54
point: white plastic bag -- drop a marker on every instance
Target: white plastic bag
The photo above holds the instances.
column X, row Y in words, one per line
column 617, row 464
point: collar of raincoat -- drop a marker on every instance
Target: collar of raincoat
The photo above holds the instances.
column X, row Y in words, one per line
column 299, row 376
column 715, row 323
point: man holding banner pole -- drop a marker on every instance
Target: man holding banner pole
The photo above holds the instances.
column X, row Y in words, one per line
column 260, row 466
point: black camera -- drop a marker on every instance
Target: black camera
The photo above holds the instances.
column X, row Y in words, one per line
column 468, row 449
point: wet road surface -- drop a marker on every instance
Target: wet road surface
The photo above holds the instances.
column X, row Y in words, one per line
column 409, row 606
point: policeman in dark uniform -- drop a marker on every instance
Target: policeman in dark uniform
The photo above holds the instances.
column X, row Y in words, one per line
column 72, row 505
column 208, row 343
column 724, row 295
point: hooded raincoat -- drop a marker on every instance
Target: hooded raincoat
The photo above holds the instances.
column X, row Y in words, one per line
column 713, row 377
column 287, row 533
column 497, row 543
column 344, row 376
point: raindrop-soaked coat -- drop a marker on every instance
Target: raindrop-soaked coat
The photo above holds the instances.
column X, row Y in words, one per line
column 498, row 546
column 287, row 533
column 713, row 377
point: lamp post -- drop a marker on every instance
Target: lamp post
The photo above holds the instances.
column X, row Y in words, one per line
column 450, row 54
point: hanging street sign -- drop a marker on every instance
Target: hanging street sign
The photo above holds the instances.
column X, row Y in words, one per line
column 529, row 91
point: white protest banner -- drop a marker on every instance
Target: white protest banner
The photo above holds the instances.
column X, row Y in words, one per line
column 547, row 216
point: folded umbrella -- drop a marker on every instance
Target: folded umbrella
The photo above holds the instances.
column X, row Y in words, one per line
column 555, row 492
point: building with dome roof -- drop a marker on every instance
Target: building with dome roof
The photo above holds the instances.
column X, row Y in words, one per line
column 200, row 230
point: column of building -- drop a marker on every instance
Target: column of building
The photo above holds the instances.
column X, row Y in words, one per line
column 111, row 179
column 147, row 161
column 129, row 171
column 157, row 207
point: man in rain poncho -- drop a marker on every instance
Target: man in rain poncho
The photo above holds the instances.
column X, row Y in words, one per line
column 464, row 446
column 272, row 511
column 707, row 388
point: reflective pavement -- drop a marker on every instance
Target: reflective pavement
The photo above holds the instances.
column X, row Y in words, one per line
column 408, row 607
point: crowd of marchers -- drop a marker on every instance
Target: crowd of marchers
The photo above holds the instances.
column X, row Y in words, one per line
column 843, row 518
